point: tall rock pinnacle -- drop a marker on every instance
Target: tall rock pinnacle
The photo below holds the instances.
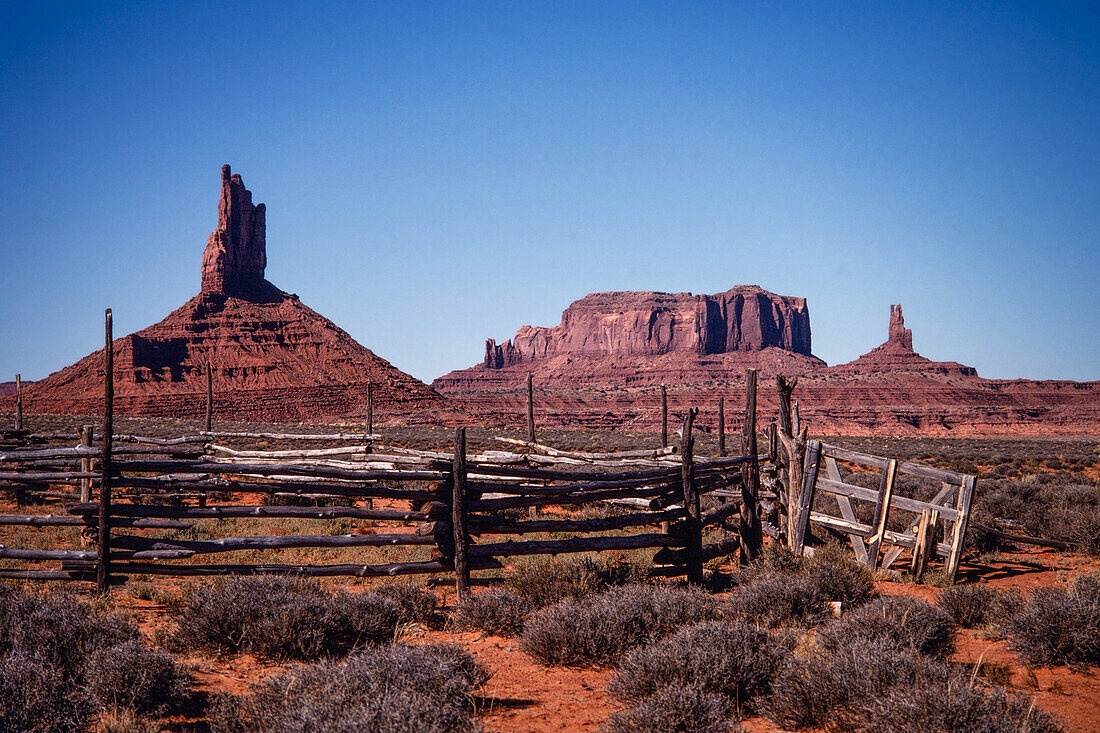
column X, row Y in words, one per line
column 899, row 334
column 236, row 252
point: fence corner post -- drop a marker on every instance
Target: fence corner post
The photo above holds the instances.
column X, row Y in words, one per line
column 664, row 416
column 693, row 522
column 750, row 531
column 530, row 409
column 103, row 569
column 18, row 401
column 458, row 516
column 806, row 497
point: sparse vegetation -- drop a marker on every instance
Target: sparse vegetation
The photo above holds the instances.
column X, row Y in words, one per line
column 1059, row 626
column 733, row 659
column 676, row 709
column 494, row 612
column 389, row 689
column 604, row 626
column 285, row 618
column 60, row 662
column 971, row 606
column 902, row 622
column 875, row 685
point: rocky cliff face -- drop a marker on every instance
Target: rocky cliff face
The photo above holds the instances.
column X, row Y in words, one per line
column 744, row 318
column 272, row 357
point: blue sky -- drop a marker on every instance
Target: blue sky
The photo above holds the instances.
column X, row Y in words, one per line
column 439, row 173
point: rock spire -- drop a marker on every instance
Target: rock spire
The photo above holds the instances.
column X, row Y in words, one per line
column 899, row 334
column 236, row 252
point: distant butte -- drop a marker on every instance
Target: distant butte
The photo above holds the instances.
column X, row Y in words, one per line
column 272, row 357
column 896, row 355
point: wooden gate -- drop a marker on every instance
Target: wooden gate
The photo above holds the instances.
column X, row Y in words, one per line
column 874, row 544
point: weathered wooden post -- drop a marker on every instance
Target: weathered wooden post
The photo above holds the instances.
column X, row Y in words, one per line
column 664, row 416
column 458, row 515
column 721, row 427
column 793, row 439
column 693, row 523
column 209, row 398
column 370, row 410
column 802, row 508
column 86, row 434
column 882, row 511
column 751, row 534
column 18, row 402
column 103, row 570
column 530, row 410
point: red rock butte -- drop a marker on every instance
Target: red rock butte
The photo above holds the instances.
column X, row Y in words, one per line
column 648, row 338
column 602, row 366
column 272, row 358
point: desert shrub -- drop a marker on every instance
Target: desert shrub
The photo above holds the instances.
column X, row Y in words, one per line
column 389, row 689
column 784, row 590
column 284, row 618
column 676, row 709
column 36, row 696
column 417, row 605
column 780, row 601
column 950, row 704
column 1059, row 626
column 602, row 627
column 967, row 605
column 820, row 689
column 903, row 622
column 544, row 582
column 135, row 676
column 495, row 612
column 875, row 685
column 733, row 659
column 838, row 578
column 56, row 628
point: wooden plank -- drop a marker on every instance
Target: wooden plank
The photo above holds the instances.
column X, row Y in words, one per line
column 806, row 496
column 906, row 467
column 897, row 502
column 958, row 533
column 920, row 550
column 867, row 531
column 750, row 532
column 882, row 511
column 846, row 511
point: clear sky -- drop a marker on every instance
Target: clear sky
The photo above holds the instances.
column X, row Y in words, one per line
column 438, row 173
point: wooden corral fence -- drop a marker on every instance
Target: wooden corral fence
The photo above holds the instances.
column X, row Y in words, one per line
column 874, row 544
column 463, row 505
column 457, row 501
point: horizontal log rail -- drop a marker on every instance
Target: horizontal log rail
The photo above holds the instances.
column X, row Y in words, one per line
column 250, row 511
column 575, row 544
column 502, row 525
column 277, row 542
